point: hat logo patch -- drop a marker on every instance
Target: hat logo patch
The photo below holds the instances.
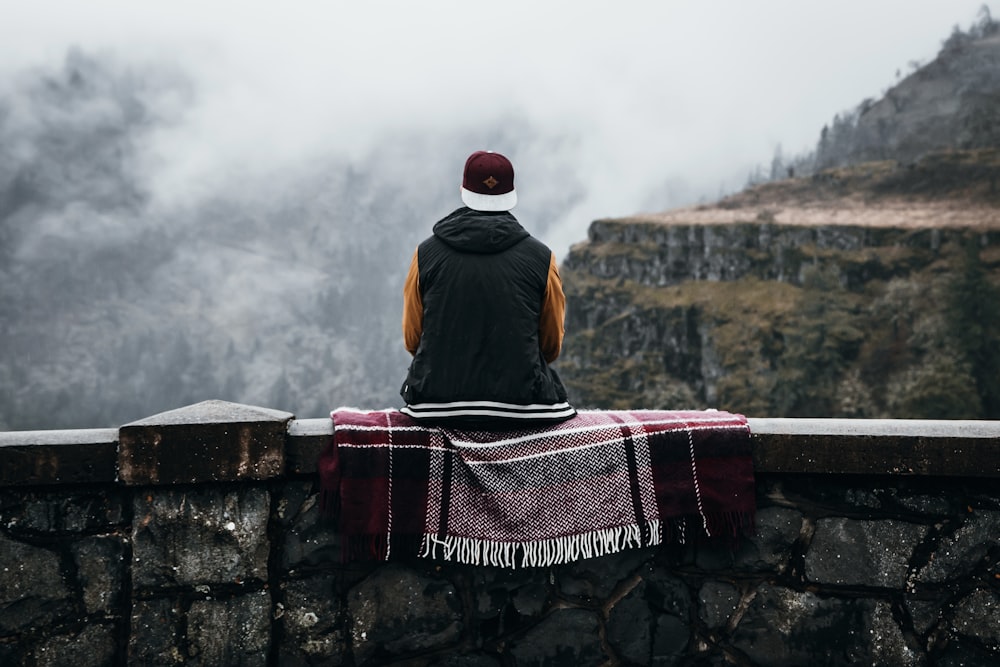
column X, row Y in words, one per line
column 491, row 182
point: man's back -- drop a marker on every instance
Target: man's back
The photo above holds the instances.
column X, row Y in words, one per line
column 483, row 317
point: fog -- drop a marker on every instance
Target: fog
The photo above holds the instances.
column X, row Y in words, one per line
column 653, row 104
column 219, row 200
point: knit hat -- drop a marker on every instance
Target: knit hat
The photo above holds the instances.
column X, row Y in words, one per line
column 488, row 182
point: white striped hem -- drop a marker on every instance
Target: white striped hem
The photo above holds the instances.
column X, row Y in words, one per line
column 488, row 409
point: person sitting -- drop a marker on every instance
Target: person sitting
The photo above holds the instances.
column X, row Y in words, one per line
column 483, row 311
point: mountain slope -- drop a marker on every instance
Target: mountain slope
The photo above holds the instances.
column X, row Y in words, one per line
column 952, row 102
column 870, row 287
column 866, row 291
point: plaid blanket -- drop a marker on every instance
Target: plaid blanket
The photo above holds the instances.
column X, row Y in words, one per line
column 596, row 484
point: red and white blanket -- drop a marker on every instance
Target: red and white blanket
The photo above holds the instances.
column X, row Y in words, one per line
column 596, row 484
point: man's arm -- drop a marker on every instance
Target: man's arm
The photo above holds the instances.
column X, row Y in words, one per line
column 551, row 328
column 413, row 307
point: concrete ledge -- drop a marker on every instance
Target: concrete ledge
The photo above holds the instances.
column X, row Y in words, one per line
column 228, row 442
column 305, row 442
column 877, row 447
column 58, row 457
column 208, row 441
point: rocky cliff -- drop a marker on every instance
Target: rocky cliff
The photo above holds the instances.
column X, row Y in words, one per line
column 865, row 291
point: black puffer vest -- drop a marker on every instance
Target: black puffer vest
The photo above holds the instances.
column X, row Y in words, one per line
column 482, row 282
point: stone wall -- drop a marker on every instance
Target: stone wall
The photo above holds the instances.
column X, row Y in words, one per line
column 228, row 562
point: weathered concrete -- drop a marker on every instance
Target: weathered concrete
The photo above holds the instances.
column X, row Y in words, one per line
column 209, row 441
column 288, row 446
column 877, row 446
column 58, row 457
column 306, row 440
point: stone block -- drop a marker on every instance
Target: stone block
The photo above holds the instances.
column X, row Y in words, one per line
column 593, row 579
column 156, row 633
column 232, row 631
column 962, row 652
column 862, row 553
column 770, row 547
column 32, row 589
column 651, row 625
column 95, row 512
column 396, row 611
column 294, row 499
column 629, row 627
column 58, row 512
column 887, row 643
column 671, row 637
column 312, row 627
column 310, row 538
column 962, row 552
column 978, row 615
column 209, row 535
column 100, row 570
column 924, row 613
column 236, row 631
column 93, row 646
column 717, row 601
column 529, row 601
column 208, row 441
column 500, row 591
column 564, row 637
column 786, row 628
column 668, row 594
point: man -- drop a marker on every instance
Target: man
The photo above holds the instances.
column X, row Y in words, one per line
column 483, row 309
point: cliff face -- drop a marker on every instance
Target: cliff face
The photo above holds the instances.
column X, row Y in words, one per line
column 656, row 255
column 796, row 299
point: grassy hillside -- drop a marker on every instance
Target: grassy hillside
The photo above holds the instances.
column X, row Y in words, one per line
column 888, row 316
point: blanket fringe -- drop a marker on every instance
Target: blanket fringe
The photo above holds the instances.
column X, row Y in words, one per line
column 540, row 553
column 726, row 527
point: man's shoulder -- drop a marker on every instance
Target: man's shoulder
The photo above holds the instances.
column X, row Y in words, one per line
column 430, row 248
column 535, row 242
column 532, row 244
column 430, row 240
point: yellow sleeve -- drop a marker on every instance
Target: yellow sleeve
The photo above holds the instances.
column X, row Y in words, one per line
column 551, row 327
column 413, row 308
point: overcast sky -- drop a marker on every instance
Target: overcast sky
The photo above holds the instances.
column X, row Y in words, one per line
column 660, row 102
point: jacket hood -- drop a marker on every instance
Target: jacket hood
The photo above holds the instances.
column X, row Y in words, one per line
column 479, row 231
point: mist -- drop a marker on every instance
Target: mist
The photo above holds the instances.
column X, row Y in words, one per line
column 221, row 202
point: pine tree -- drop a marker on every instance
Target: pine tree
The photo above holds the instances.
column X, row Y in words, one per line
column 975, row 318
